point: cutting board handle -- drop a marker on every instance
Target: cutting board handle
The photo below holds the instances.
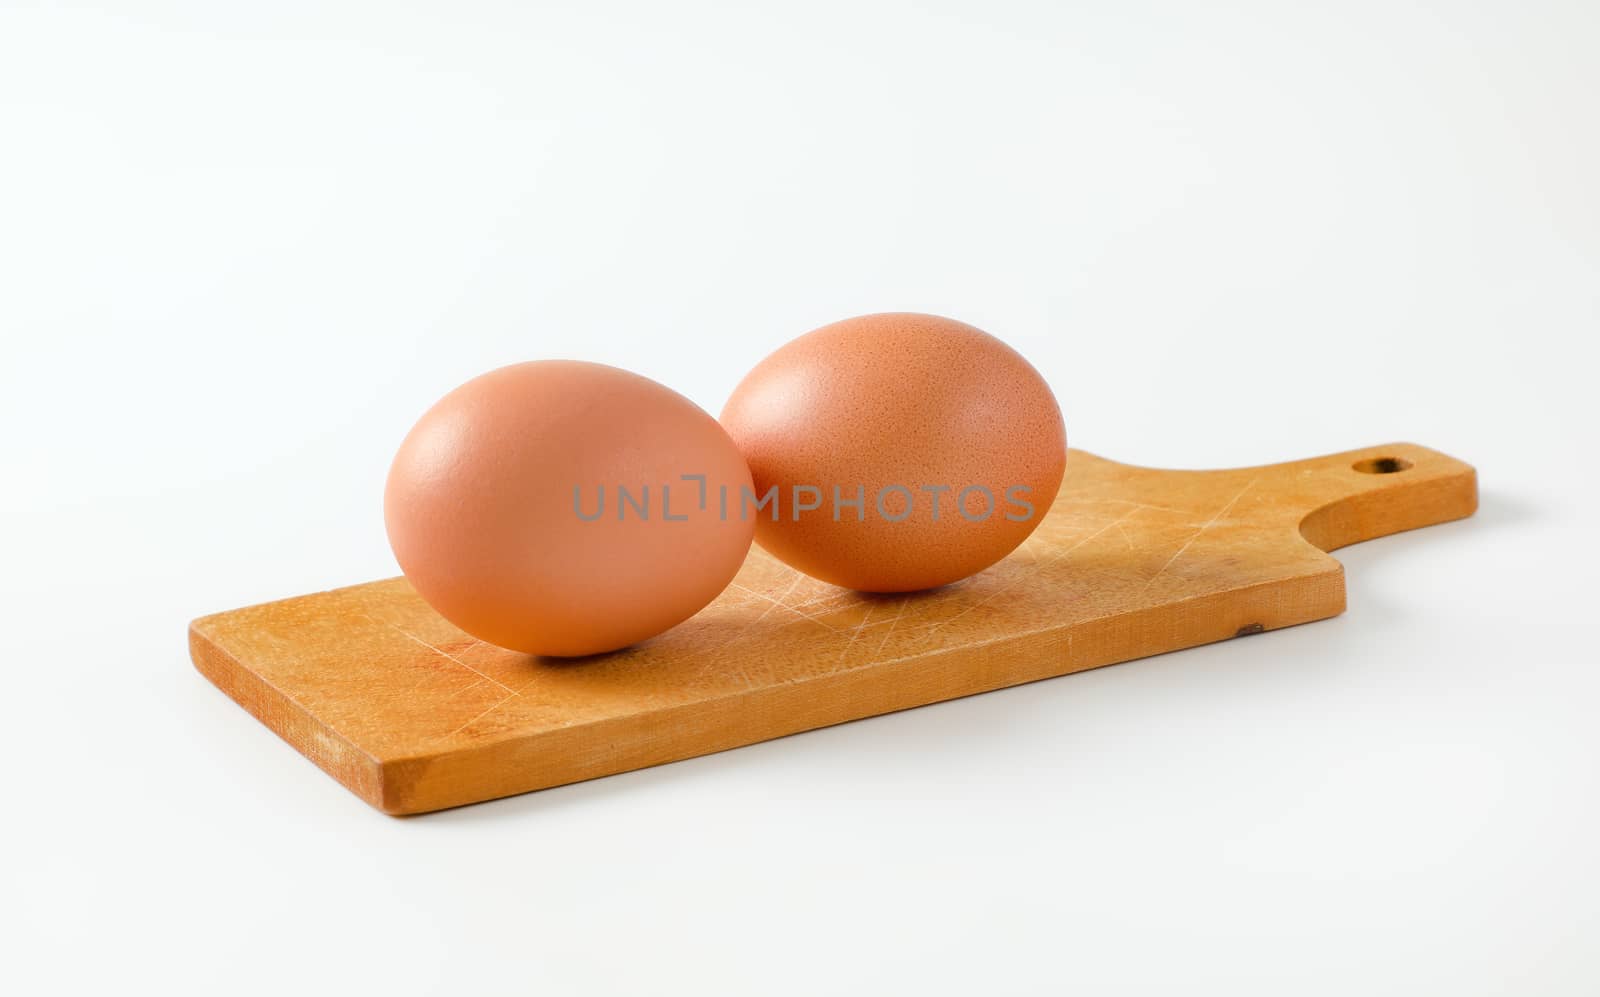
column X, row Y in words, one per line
column 1375, row 491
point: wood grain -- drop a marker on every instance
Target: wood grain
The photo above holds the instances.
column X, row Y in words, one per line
column 413, row 715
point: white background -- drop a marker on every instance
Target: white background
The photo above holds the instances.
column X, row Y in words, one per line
column 243, row 246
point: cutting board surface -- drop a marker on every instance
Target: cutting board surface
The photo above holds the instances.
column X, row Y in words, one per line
column 413, row 715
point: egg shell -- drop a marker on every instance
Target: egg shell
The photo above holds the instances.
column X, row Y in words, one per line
column 898, row 399
column 482, row 515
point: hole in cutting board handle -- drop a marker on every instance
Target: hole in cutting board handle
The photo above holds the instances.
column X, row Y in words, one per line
column 1381, row 465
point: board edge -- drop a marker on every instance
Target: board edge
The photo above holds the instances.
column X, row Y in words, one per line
column 429, row 783
column 325, row 747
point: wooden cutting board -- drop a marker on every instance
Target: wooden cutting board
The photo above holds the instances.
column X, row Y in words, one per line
column 413, row 715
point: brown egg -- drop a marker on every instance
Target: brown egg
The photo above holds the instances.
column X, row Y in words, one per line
column 566, row 508
column 907, row 451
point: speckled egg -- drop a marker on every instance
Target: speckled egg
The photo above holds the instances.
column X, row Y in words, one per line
column 896, row 452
